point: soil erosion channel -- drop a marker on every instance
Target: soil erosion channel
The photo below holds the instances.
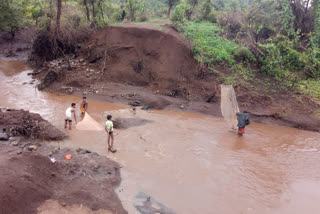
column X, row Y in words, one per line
column 188, row 163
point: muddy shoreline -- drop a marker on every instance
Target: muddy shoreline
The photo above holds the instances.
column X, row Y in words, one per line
column 300, row 118
column 151, row 79
column 33, row 172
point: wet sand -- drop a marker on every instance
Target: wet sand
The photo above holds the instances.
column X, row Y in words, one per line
column 189, row 163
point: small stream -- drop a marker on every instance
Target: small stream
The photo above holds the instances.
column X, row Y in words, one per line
column 188, row 163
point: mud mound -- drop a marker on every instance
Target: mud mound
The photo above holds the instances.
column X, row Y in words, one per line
column 160, row 61
column 145, row 57
column 27, row 179
column 24, row 123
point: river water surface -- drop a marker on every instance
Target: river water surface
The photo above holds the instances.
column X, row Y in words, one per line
column 189, row 163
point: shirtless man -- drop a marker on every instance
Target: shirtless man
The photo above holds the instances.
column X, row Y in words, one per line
column 84, row 105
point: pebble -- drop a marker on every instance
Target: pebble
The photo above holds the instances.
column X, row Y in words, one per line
column 182, row 106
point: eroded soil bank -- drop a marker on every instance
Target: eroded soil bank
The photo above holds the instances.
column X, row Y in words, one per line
column 29, row 178
column 23, row 123
column 125, row 64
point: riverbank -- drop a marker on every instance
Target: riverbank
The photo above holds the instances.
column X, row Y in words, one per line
column 133, row 66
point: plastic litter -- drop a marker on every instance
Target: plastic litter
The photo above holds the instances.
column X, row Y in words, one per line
column 68, row 157
column 53, row 160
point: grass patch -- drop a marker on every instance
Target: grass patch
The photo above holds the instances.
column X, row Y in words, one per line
column 207, row 44
column 310, row 87
column 156, row 19
column 159, row 27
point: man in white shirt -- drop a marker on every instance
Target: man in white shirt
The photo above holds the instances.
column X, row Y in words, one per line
column 69, row 112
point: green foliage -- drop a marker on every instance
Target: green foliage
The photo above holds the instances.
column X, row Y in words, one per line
column 286, row 17
column 179, row 16
column 12, row 14
column 316, row 9
column 219, row 4
column 310, row 87
column 208, row 46
column 134, row 8
column 212, row 17
column 206, row 8
column 280, row 59
column 245, row 54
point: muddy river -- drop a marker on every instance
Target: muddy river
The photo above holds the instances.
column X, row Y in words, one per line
column 188, row 163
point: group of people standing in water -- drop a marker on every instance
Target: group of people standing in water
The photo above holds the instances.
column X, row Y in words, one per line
column 242, row 117
column 71, row 112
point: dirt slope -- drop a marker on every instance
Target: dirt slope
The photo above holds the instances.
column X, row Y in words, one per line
column 28, row 179
column 146, row 57
column 24, row 123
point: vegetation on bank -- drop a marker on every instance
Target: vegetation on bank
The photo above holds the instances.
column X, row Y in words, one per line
column 254, row 40
column 271, row 42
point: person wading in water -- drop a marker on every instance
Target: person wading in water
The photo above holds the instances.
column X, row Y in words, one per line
column 83, row 107
column 69, row 112
column 243, row 121
column 109, row 130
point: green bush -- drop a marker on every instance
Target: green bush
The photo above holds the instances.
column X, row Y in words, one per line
column 207, row 44
column 245, row 54
column 212, row 17
column 143, row 17
column 280, row 58
column 310, row 87
column 178, row 18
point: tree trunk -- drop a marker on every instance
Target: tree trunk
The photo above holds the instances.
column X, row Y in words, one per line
column 169, row 7
column 59, row 7
column 87, row 9
column 93, row 12
column 50, row 16
column 101, row 9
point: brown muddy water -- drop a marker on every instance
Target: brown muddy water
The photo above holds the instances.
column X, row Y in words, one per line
column 187, row 163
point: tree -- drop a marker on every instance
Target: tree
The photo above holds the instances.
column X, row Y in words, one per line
column 93, row 12
column 12, row 14
column 286, row 17
column 133, row 7
column 171, row 4
column 206, row 9
column 219, row 4
column 87, row 10
column 189, row 11
column 59, row 8
column 316, row 9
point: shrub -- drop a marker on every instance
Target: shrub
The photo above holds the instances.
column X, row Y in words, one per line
column 143, row 18
column 178, row 18
column 207, row 44
column 280, row 58
column 212, row 17
column 245, row 54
